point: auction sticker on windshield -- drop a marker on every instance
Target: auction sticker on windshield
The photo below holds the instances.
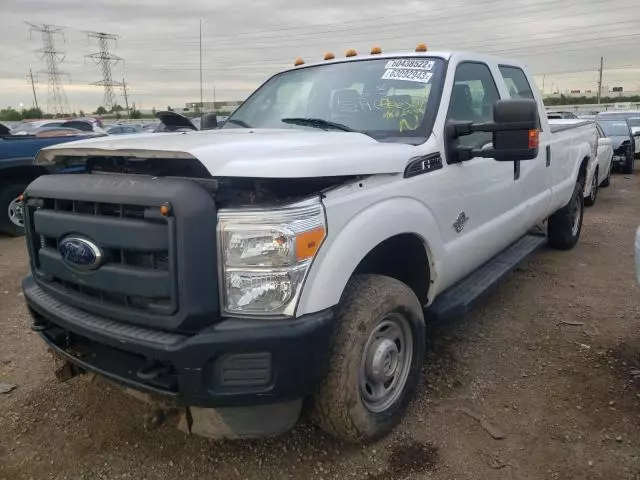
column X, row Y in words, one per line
column 407, row 74
column 410, row 63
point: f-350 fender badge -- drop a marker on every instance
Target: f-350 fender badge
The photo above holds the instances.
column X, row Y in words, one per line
column 460, row 222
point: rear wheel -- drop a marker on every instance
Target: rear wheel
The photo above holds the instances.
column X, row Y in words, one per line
column 11, row 209
column 564, row 226
column 593, row 195
column 375, row 361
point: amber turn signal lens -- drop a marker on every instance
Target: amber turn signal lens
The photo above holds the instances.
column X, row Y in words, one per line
column 308, row 243
column 329, row 56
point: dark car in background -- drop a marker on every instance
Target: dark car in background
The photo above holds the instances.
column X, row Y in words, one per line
column 622, row 141
column 632, row 117
column 17, row 153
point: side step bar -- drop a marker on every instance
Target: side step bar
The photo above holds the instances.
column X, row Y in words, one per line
column 459, row 298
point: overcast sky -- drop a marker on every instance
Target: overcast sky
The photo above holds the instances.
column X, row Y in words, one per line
column 245, row 42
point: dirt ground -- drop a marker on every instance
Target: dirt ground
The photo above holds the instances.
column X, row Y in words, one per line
column 550, row 359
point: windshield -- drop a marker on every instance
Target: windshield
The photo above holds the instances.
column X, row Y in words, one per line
column 615, row 128
column 387, row 99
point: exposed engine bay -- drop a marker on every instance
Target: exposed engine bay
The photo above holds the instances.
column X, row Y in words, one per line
column 228, row 191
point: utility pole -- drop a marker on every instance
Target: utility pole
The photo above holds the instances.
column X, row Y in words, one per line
column 104, row 58
column 57, row 102
column 126, row 99
column 201, row 104
column 543, row 76
column 33, row 87
column 600, row 79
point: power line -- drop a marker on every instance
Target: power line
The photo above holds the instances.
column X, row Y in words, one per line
column 57, row 102
column 105, row 59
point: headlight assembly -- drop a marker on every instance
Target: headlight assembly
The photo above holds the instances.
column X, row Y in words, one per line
column 265, row 256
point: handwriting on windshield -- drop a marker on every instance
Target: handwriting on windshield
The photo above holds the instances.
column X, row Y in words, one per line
column 407, row 111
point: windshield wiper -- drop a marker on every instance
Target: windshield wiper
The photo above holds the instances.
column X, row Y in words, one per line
column 318, row 123
column 238, row 122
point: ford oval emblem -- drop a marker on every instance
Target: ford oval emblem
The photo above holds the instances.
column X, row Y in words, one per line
column 80, row 253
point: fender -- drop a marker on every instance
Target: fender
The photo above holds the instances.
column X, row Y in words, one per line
column 355, row 236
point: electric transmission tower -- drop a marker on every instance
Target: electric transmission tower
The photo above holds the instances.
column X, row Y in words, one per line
column 57, row 102
column 105, row 59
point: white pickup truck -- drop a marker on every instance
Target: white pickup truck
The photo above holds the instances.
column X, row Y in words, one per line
column 298, row 251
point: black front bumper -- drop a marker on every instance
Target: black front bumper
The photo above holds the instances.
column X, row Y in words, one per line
column 235, row 362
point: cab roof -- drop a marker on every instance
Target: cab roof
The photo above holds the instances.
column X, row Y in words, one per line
column 445, row 55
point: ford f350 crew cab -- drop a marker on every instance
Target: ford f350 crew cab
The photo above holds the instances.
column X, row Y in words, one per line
column 296, row 252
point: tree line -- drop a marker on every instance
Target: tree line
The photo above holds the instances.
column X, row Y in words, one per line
column 10, row 114
column 584, row 100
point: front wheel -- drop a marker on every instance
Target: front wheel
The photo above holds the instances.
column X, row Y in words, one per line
column 11, row 209
column 564, row 226
column 375, row 360
column 591, row 199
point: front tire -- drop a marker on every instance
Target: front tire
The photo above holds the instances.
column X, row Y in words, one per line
column 593, row 195
column 564, row 226
column 11, row 210
column 375, row 360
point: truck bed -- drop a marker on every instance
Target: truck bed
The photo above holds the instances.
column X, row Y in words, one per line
column 559, row 125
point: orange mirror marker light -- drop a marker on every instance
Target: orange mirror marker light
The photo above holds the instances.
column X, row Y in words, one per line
column 351, row 53
column 329, row 56
column 422, row 47
column 376, row 51
column 534, row 138
column 298, row 62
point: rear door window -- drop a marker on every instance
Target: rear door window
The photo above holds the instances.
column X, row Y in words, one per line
column 517, row 82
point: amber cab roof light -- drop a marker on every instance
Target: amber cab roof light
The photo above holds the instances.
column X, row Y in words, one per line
column 421, row 47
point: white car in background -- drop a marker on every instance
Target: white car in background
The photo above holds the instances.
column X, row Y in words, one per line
column 601, row 177
column 599, row 168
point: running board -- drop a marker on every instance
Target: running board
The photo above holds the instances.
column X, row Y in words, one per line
column 459, row 298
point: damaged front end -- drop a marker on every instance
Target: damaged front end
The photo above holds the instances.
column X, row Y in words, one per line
column 147, row 310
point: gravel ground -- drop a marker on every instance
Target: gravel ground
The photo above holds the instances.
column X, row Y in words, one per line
column 550, row 361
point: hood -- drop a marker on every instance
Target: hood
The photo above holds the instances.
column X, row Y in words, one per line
column 286, row 153
column 616, row 140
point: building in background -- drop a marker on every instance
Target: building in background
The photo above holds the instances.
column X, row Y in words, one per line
column 226, row 106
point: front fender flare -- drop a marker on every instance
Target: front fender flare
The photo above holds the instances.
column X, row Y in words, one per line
column 343, row 250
